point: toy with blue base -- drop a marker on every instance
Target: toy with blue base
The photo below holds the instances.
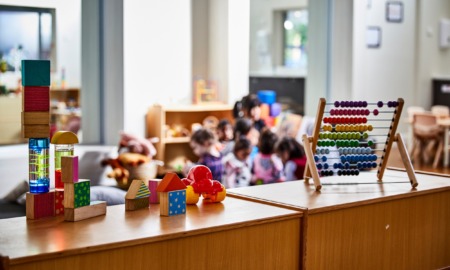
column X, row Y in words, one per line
column 348, row 128
column 40, row 201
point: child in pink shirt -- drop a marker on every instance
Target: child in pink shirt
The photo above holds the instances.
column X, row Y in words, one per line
column 267, row 167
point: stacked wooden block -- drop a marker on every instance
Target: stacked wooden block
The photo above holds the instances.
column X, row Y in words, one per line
column 36, row 98
column 77, row 197
column 36, row 127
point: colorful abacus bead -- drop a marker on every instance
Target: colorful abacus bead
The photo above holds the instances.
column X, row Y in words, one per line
column 380, row 104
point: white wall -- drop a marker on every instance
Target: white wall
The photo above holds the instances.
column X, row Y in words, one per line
column 238, row 52
column 388, row 72
column 218, row 45
column 432, row 60
column 68, row 35
column 220, row 40
column 263, row 16
column 157, row 57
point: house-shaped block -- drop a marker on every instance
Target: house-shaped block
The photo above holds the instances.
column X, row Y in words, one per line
column 138, row 196
column 172, row 195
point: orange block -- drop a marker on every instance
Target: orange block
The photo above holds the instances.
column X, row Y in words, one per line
column 170, row 182
column 265, row 110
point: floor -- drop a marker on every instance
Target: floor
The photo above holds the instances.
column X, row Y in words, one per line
column 395, row 160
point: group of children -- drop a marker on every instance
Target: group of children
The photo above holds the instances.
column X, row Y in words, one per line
column 248, row 153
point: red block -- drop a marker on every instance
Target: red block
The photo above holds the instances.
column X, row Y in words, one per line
column 36, row 99
column 40, row 205
column 59, row 202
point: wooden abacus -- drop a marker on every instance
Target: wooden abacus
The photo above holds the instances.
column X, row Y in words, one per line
column 345, row 128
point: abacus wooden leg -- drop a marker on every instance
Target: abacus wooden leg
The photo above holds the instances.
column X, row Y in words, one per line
column 311, row 164
column 437, row 157
column 406, row 160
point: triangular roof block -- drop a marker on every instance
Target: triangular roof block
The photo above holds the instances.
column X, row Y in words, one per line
column 138, row 189
column 170, row 182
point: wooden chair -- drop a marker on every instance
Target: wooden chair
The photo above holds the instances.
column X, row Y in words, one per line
column 427, row 134
column 411, row 110
column 440, row 111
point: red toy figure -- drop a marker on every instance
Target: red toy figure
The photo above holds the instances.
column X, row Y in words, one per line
column 199, row 182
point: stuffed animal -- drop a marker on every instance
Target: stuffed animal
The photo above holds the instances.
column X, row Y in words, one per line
column 121, row 166
column 135, row 144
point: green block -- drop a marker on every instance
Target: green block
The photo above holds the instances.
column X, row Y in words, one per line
column 35, row 72
column 82, row 193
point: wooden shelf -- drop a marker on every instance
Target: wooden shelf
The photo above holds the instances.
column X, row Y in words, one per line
column 177, row 140
column 175, row 151
column 198, row 108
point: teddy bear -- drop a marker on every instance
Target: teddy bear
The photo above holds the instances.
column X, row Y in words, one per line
column 133, row 152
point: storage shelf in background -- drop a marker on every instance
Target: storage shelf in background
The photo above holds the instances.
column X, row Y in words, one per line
column 177, row 140
column 199, row 108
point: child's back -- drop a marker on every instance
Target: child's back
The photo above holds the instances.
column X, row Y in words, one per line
column 267, row 168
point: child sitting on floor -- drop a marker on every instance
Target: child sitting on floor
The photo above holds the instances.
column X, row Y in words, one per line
column 267, row 167
column 236, row 168
column 293, row 157
column 203, row 145
column 224, row 133
column 251, row 109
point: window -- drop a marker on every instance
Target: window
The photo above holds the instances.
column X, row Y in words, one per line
column 295, row 38
column 26, row 33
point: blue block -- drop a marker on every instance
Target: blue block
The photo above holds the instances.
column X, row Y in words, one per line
column 177, row 202
column 35, row 72
column 267, row 96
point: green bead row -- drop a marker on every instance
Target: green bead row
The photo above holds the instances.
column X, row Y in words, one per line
column 343, row 135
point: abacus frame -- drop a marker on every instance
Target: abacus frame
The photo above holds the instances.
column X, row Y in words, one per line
column 310, row 144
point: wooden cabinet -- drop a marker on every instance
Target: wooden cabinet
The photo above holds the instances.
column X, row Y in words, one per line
column 175, row 150
column 234, row 234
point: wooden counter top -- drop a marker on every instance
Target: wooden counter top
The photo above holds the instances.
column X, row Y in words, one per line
column 353, row 191
column 33, row 240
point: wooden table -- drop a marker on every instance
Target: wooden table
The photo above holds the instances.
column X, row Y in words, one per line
column 368, row 226
column 445, row 123
column 235, row 234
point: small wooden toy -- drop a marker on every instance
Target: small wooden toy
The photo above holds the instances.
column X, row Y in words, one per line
column 172, row 195
column 35, row 118
column 137, row 196
column 36, row 99
column 152, row 186
column 77, row 194
column 173, row 203
column 70, row 172
column 36, row 131
column 94, row 209
column 199, row 182
column 59, row 202
column 349, row 129
column 77, row 201
column 36, row 126
column 35, row 72
column 40, row 205
column 64, row 146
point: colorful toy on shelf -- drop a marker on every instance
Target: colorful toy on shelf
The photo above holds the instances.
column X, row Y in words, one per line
column 205, row 91
column 199, row 182
column 269, row 108
column 137, row 196
column 64, row 145
column 347, row 134
column 172, row 195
